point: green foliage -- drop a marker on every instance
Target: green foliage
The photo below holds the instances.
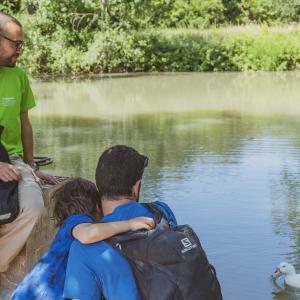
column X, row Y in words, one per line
column 168, row 50
column 140, row 14
column 196, row 14
column 269, row 12
column 86, row 36
column 267, row 51
column 10, row 6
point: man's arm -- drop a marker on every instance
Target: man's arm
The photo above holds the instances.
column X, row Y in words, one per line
column 9, row 172
column 27, row 138
column 27, row 141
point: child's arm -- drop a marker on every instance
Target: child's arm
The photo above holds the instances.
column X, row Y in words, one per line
column 88, row 233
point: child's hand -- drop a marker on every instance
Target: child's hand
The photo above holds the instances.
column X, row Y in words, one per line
column 141, row 223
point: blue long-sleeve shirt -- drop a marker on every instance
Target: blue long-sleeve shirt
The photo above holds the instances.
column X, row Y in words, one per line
column 46, row 279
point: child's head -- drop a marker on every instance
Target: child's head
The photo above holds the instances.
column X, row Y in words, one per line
column 73, row 197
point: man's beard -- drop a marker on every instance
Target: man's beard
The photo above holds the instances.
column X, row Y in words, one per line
column 8, row 61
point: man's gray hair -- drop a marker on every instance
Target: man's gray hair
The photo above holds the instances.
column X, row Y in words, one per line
column 4, row 19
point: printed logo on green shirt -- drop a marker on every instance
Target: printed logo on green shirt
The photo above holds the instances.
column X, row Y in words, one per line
column 8, row 101
column 15, row 97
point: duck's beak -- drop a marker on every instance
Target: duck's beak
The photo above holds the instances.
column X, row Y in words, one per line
column 277, row 273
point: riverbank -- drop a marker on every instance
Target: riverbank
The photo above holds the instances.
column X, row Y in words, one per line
column 236, row 48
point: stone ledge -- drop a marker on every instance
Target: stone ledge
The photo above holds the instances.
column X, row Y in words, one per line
column 37, row 244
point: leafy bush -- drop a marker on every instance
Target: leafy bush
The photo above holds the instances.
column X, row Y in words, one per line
column 168, row 50
column 71, row 36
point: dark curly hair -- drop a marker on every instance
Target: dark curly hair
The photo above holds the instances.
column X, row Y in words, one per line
column 75, row 196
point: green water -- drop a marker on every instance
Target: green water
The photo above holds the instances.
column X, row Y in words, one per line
column 224, row 153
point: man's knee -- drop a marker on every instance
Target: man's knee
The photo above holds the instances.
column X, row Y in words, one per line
column 34, row 207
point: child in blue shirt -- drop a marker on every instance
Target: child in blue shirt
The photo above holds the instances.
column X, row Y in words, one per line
column 76, row 207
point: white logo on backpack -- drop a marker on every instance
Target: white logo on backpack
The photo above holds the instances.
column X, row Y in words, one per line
column 187, row 244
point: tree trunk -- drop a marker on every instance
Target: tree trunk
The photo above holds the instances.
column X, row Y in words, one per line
column 104, row 5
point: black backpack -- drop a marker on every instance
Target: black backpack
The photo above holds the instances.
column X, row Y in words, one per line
column 9, row 201
column 169, row 263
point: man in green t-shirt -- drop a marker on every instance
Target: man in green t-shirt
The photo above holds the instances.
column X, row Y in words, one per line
column 16, row 99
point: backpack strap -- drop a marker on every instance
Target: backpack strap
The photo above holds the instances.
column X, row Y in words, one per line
column 218, row 286
column 159, row 218
column 160, row 221
column 158, row 215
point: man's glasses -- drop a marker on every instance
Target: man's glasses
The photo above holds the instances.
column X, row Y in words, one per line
column 146, row 160
column 18, row 44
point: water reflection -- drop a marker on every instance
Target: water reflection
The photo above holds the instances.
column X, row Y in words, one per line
column 284, row 295
column 286, row 214
column 165, row 137
column 233, row 177
column 246, row 93
column 281, row 292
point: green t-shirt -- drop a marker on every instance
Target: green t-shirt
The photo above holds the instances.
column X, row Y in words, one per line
column 15, row 97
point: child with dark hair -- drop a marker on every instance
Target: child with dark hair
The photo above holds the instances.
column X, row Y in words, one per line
column 76, row 207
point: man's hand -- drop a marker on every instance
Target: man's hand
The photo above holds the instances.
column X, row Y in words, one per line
column 46, row 177
column 9, row 172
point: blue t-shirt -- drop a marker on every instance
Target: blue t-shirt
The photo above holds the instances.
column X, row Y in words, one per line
column 95, row 269
column 46, row 279
column 133, row 209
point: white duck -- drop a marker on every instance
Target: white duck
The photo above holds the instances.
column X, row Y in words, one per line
column 290, row 277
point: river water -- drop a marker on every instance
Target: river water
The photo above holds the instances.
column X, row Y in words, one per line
column 224, row 153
